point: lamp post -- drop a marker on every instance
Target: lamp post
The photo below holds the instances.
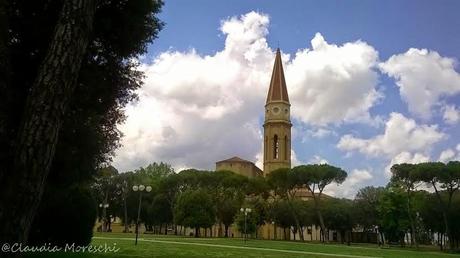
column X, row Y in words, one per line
column 140, row 188
column 274, row 230
column 104, row 207
column 246, row 211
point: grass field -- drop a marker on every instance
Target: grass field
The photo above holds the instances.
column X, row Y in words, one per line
column 172, row 247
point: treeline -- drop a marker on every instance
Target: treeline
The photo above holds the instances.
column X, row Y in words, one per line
column 290, row 199
column 200, row 199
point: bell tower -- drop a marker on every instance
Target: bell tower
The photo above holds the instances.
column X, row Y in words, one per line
column 277, row 125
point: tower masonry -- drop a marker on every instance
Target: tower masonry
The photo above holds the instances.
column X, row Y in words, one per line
column 277, row 124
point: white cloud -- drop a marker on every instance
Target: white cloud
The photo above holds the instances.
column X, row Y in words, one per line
column 423, row 77
column 294, row 160
column 401, row 135
column 357, row 179
column 332, row 84
column 450, row 154
column 316, row 159
column 405, row 157
column 320, row 133
column 451, row 114
column 194, row 110
column 446, row 155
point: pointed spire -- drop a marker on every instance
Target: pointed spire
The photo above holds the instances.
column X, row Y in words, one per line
column 278, row 90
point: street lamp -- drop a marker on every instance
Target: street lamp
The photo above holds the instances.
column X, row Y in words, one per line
column 104, row 207
column 140, row 188
column 246, row 211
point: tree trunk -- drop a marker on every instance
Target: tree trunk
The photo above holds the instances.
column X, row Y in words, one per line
column 444, row 214
column 48, row 98
column 382, row 238
column 320, row 217
column 296, row 218
column 197, row 232
column 413, row 236
column 219, row 233
column 126, row 212
column 226, row 230
column 5, row 94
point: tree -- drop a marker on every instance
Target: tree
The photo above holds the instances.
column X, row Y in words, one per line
column 365, row 207
column 258, row 186
column 227, row 211
column 283, row 183
column 247, row 224
column 280, row 212
column 42, row 118
column 407, row 176
column 393, row 216
column 227, row 190
column 260, row 209
column 154, row 172
column 105, row 191
column 67, row 217
column 43, row 67
column 161, row 212
column 338, row 216
column 454, row 222
column 444, row 177
column 170, row 187
column 195, row 209
column 123, row 183
column 315, row 178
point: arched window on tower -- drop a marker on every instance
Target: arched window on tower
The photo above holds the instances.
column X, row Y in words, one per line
column 286, row 147
column 276, row 147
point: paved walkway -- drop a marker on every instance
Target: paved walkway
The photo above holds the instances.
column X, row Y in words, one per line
column 239, row 247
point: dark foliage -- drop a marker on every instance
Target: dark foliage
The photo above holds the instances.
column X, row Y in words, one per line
column 107, row 82
column 66, row 217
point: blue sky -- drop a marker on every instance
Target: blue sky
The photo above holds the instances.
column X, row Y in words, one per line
column 372, row 83
column 390, row 26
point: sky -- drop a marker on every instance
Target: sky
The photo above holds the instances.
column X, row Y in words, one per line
column 371, row 84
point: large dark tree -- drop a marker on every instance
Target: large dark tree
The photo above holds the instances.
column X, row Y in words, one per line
column 315, row 178
column 66, row 71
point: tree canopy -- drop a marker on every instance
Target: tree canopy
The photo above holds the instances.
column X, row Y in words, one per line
column 67, row 71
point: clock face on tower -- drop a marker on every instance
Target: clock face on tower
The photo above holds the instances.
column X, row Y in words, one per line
column 276, row 110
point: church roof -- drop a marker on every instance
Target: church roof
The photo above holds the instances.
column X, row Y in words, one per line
column 277, row 90
column 234, row 159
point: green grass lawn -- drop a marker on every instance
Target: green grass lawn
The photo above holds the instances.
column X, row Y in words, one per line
column 172, row 246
